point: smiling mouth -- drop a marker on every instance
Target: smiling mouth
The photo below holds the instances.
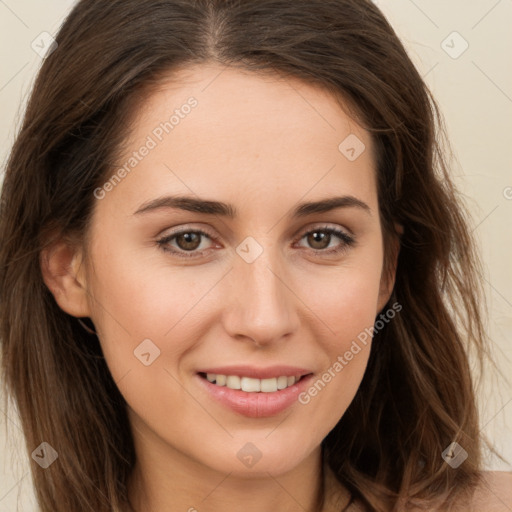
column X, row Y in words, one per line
column 252, row 385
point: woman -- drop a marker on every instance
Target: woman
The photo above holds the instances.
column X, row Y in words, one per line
column 248, row 276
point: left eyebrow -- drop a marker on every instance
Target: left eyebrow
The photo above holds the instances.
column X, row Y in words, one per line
column 197, row 205
column 326, row 205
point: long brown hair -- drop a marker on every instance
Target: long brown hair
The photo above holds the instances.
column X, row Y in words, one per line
column 417, row 394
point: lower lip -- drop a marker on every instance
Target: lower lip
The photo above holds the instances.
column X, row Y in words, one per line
column 256, row 405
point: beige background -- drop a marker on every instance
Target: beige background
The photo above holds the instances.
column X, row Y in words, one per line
column 474, row 91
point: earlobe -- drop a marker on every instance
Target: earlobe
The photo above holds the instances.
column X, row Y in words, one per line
column 386, row 289
column 388, row 277
column 61, row 268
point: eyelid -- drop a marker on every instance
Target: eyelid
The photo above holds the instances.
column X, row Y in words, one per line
column 320, row 226
column 186, row 229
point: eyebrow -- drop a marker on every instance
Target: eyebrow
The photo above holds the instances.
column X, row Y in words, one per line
column 197, row 205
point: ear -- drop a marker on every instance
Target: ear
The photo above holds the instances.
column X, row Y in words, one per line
column 388, row 276
column 61, row 267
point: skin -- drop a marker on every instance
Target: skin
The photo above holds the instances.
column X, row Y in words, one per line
column 263, row 145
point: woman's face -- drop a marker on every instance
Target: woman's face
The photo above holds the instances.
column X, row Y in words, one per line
column 269, row 289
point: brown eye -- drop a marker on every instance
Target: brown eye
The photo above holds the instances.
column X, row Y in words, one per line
column 188, row 241
column 319, row 239
column 185, row 243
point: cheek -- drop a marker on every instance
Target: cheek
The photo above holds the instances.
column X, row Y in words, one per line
column 147, row 306
column 348, row 313
column 142, row 294
column 346, row 302
column 145, row 316
column 345, row 298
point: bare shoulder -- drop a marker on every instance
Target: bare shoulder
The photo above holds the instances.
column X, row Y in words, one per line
column 494, row 494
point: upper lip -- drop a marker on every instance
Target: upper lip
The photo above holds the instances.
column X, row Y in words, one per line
column 257, row 373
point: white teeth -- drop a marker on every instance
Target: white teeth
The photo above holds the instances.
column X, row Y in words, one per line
column 269, row 385
column 233, row 382
column 282, row 382
column 252, row 385
column 220, row 380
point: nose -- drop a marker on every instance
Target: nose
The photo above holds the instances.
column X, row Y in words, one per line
column 262, row 305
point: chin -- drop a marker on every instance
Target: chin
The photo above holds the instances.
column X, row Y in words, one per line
column 257, row 457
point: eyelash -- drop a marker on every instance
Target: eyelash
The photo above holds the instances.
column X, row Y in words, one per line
column 348, row 241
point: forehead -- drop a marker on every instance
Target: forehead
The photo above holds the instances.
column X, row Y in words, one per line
column 214, row 130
